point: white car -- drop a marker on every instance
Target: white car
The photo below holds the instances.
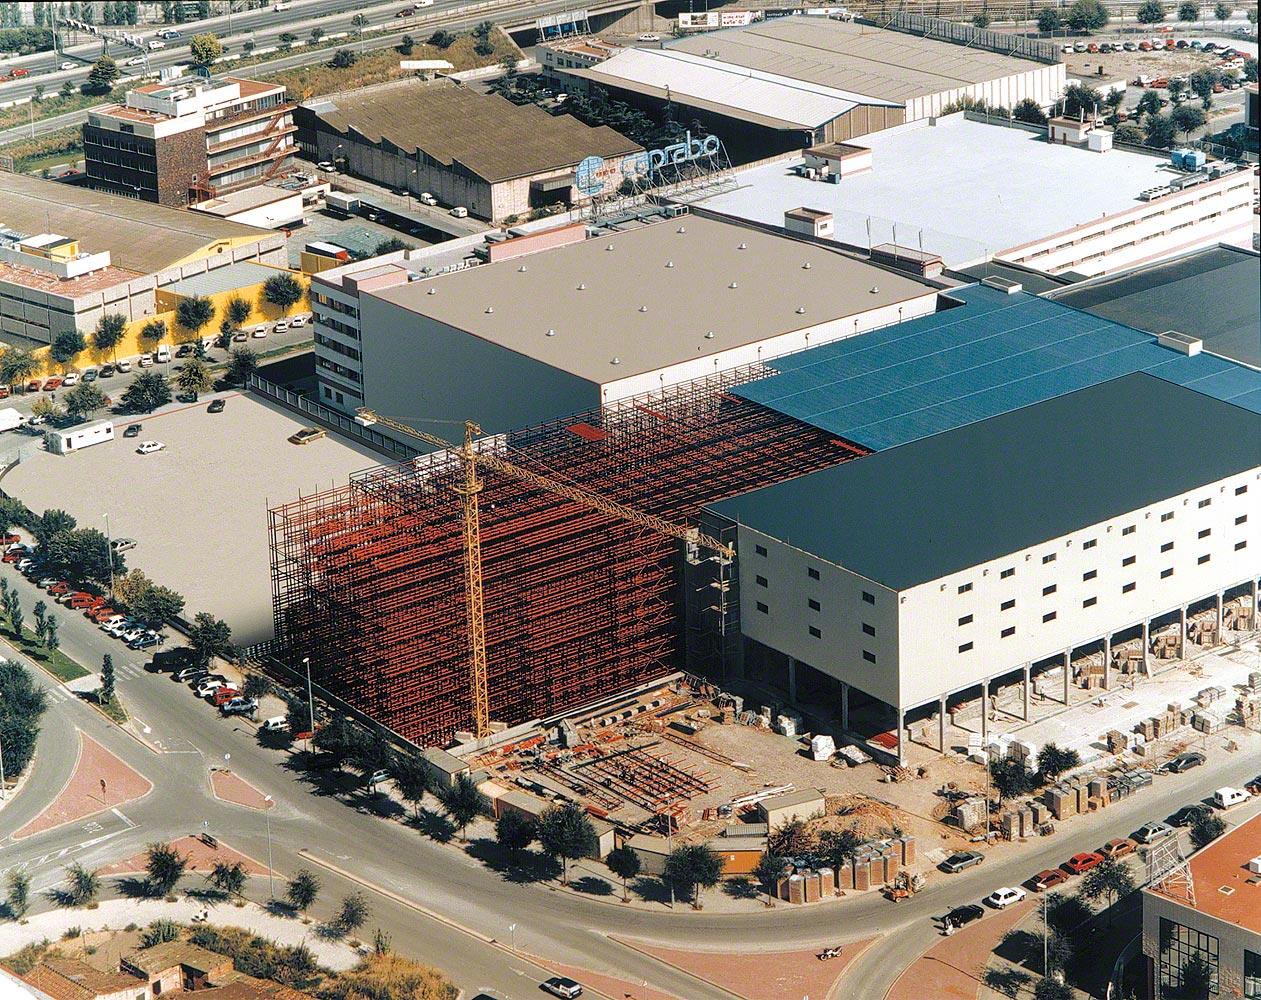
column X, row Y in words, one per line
column 298, row 321
column 460, row 212
column 1002, row 898
column 123, row 367
column 280, row 327
column 71, row 379
column 136, row 61
column 260, row 331
column 68, row 65
column 206, row 688
column 650, row 38
column 149, row 447
column 146, row 361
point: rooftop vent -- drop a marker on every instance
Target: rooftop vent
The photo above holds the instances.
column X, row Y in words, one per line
column 551, row 333
column 521, row 268
column 709, row 335
column 1184, row 343
column 801, row 310
column 743, row 246
column 432, row 291
column 682, row 229
column 669, row 263
column 582, row 288
column 643, row 309
column 609, row 247
column 875, row 289
column 616, row 361
column 806, row 266
column 489, row 310
column 1002, row 284
column 733, row 285
column 1226, row 890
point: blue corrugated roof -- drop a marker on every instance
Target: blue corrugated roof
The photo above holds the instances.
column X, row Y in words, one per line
column 993, row 354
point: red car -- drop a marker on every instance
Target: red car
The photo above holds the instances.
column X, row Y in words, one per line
column 1083, row 862
column 224, row 695
column 99, row 614
column 1048, row 879
column 34, row 385
column 11, row 540
column 1118, row 848
column 82, row 600
column 52, row 383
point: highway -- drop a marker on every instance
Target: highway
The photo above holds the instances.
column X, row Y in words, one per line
column 455, row 888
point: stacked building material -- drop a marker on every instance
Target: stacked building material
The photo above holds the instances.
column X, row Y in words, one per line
column 1165, row 641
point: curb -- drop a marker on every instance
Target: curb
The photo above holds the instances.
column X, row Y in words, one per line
column 677, row 968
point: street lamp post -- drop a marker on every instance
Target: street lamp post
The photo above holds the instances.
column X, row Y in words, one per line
column 310, row 701
column 512, row 930
column 271, row 874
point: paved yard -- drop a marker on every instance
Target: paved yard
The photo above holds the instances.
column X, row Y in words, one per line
column 199, row 507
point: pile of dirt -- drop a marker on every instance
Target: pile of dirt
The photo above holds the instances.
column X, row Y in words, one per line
column 868, row 818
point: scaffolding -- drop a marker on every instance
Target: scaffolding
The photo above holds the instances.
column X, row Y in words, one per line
column 367, row 579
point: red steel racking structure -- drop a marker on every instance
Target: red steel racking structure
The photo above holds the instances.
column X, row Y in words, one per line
column 368, row 581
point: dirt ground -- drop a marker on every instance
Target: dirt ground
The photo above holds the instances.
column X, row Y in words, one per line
column 1128, row 65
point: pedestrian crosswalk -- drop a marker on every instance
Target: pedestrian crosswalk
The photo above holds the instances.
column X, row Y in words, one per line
column 59, row 694
column 126, row 671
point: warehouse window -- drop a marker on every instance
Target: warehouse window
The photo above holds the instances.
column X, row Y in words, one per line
column 1048, row 559
column 869, row 656
column 868, row 629
column 1240, row 545
column 812, row 573
column 1129, row 560
column 965, row 647
column 1090, row 602
column 764, row 608
column 1090, row 574
column 761, row 581
column 760, row 549
column 1178, row 946
column 1129, row 530
column 1203, row 559
column 1008, row 572
column 1008, row 632
column 965, row 620
column 1048, row 617
column 1090, row 543
column 1204, row 533
column 869, row 598
column 1251, row 975
column 1242, row 519
column 815, row 632
column 1128, row 587
column 814, row 605
column 964, row 587
column 1165, row 574
column 1048, row 591
column 1240, row 490
column 1167, row 516
column 1206, row 502
column 1007, row 605
column 1167, row 547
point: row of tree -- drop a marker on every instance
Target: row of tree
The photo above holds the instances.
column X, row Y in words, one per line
column 22, row 703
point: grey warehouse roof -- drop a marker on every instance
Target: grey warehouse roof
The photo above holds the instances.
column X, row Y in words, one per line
column 1210, row 294
column 651, row 300
column 890, row 65
column 242, row 274
column 938, row 505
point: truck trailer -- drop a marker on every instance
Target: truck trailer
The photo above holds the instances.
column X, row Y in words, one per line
column 72, row 439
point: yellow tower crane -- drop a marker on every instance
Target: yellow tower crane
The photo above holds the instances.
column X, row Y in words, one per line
column 468, row 490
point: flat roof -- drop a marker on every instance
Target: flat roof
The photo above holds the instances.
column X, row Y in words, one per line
column 1210, row 294
column 994, row 353
column 245, row 199
column 1012, row 187
column 651, row 300
column 890, row 65
column 487, row 134
column 71, row 288
column 229, row 278
column 140, row 236
column 907, row 516
column 1223, row 865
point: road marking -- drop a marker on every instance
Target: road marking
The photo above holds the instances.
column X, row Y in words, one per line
column 130, row 824
column 92, row 827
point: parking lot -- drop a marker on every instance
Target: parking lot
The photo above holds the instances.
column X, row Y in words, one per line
column 198, row 507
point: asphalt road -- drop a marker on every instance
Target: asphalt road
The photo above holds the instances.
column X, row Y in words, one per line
column 564, row 927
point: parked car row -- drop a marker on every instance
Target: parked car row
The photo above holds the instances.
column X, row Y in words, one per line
column 218, row 690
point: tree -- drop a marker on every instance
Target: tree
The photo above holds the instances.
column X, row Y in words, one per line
column 84, row 885
column 442, row 39
column 515, row 832
column 282, row 290
column 205, row 49
column 209, row 637
column 107, row 680
column 483, row 47
column 1148, row 104
column 67, row 346
column 239, row 311
column 406, row 45
column 411, row 778
column 1187, row 119
column 101, row 76
column 353, row 913
column 770, row 868
column 1160, row 132
column 84, row 400
column 343, row 59
column 164, row 867
column 147, row 392
column 1080, row 98
column 791, row 838
column 359, row 20
column 1052, row 989
column 38, row 96
column 1203, row 81
column 316, row 34
column 1052, row 761
column 371, row 754
column 566, row 832
column 390, row 245
column 462, row 802
column 109, row 333
column 18, row 898
column 1188, row 11
column 1087, row 15
column 256, row 686
column 194, row 313
column 341, row 739
column 1109, row 878
column 1206, row 829
column 839, row 845
column 159, row 932
column 1250, row 64
column 41, row 615
column 229, row 877
column 13, row 609
column 243, row 364
column 1011, row 778
column 1049, row 20
column 17, row 366
column 286, row 39
column 1197, row 979
column 1029, row 111
column 195, row 377
column 298, row 715
column 981, row 21
column 302, row 890
column 695, row 866
column 156, row 605
column 154, row 330
column 1151, row 12
column 50, row 524
column 52, row 631
column 625, row 864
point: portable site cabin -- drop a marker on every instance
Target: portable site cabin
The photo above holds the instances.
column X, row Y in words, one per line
column 72, row 439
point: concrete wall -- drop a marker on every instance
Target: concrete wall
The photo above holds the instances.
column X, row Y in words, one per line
column 1232, row 939
column 1043, row 84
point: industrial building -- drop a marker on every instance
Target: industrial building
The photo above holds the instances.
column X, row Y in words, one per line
column 104, row 254
column 182, row 141
column 1052, row 208
column 587, row 318
column 791, row 82
column 466, row 148
column 1206, row 908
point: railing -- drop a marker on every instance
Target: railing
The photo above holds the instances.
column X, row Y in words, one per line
column 333, row 419
column 966, row 34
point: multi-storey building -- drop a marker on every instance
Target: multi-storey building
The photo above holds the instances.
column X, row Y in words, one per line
column 187, row 140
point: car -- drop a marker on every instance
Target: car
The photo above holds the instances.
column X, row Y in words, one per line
column 100, row 614
column 223, row 694
column 1118, row 848
column 406, row 12
column 188, row 673
column 961, row 861
column 149, row 447
column 962, row 915
column 1149, row 833
column 132, row 634
column 23, row 563
column 649, row 37
column 1184, row 762
column 1083, row 862
column 1048, row 879
column 460, row 212
column 72, row 379
column 1189, row 815
column 240, row 336
column 89, row 375
column 239, row 706
column 1079, row 47
column 302, row 320
column 379, row 777
column 123, row 367
column 307, row 435
column 137, row 61
column 1181, row 43
column 276, row 724
column 1130, row 47
column 147, row 641
column 562, row 986
column 260, row 331
column 146, row 360
column 133, row 430
column 216, row 406
column 107, row 371
column 68, row 65
column 183, row 351
column 34, row 385
column 46, row 581
column 53, row 383
column 209, row 685
column 325, row 165
column 123, row 544
column 60, row 587
column 280, row 327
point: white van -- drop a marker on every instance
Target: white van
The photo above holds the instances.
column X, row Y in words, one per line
column 163, row 354
column 460, row 212
column 1224, row 798
column 155, row 44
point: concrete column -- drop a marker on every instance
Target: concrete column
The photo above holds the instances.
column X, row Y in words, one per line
column 1068, row 671
column 985, row 710
column 792, row 681
column 844, row 706
column 1256, row 612
column 901, row 737
column 1182, row 633
column 941, row 724
column 1219, row 616
column 1147, row 647
column 1107, row 662
column 1025, row 693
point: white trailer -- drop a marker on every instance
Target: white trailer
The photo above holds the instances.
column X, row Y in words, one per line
column 10, row 419
column 72, row 439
